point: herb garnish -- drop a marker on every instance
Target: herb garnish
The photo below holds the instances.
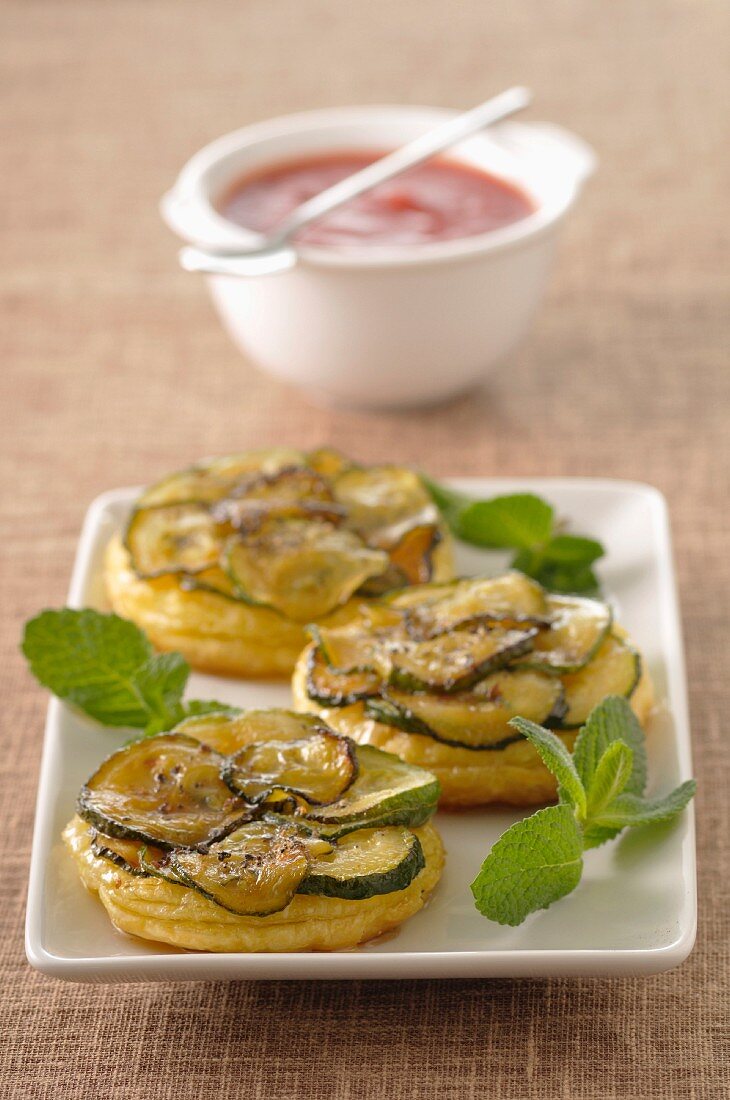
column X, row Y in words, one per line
column 105, row 666
column 601, row 791
column 526, row 523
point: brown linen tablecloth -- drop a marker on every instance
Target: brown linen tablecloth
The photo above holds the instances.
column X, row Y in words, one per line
column 115, row 370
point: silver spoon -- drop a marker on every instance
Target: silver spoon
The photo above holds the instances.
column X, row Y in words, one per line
column 276, row 253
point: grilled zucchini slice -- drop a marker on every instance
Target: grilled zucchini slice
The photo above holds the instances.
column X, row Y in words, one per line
column 364, row 643
column 456, row 661
column 254, row 871
column 173, row 538
column 214, row 580
column 331, row 688
column 247, row 515
column 155, row 862
column 379, row 498
column 478, row 720
column 411, row 560
column 366, row 863
column 615, row 670
column 126, row 854
column 318, row 767
column 328, row 462
column 512, row 598
column 387, row 791
column 228, row 734
column 209, row 481
column 288, row 485
column 164, row 790
column 578, row 628
column 302, row 569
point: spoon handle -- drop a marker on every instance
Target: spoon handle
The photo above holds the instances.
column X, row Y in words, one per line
column 415, row 152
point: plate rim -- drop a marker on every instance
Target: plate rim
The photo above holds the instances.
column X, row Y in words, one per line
column 524, row 962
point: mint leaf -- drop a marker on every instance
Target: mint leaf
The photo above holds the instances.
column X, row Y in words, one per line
column 540, row 859
column 105, row 666
column 161, row 682
column 448, row 501
column 573, row 550
column 611, row 720
column 612, row 773
column 570, row 578
column 518, row 520
column 632, row 809
column 523, row 522
column 557, row 760
column 536, row 862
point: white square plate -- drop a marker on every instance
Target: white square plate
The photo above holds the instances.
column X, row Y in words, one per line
column 634, row 912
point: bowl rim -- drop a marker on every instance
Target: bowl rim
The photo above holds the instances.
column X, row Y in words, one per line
column 189, row 205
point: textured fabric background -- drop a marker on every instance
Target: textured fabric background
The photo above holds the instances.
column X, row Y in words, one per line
column 115, row 370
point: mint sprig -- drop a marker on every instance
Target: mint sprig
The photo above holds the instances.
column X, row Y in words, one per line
column 527, row 524
column 105, row 666
column 600, row 790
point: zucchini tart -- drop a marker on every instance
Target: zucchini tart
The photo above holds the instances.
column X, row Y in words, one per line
column 264, row 831
column 227, row 561
column 434, row 674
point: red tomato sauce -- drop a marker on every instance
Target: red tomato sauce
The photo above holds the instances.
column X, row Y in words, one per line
column 436, row 201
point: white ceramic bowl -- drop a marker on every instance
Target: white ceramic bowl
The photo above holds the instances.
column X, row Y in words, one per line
column 385, row 326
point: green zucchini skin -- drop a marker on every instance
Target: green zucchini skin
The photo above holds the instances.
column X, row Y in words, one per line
column 338, row 758
column 139, row 514
column 387, row 790
column 332, row 689
column 407, row 681
column 391, row 714
column 359, row 887
column 550, row 661
column 576, row 715
column 206, row 819
column 106, row 851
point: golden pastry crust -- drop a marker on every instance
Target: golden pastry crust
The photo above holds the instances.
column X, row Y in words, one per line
column 513, row 775
column 155, row 909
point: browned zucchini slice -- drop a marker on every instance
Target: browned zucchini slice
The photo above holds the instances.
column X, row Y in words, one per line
column 213, row 480
column 155, row 862
column 512, row 598
column 379, row 498
column 318, row 766
column 247, row 515
column 288, row 485
column 254, row 871
column 458, row 660
column 578, row 628
column 227, row 734
column 362, row 644
column 477, row 720
column 365, row 863
column 413, row 553
column 302, row 569
column 163, row 790
column 126, row 854
column 615, row 670
column 173, row 538
column 387, row 791
column 332, row 688
column 328, row 462
column 214, row 580
column 411, row 560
